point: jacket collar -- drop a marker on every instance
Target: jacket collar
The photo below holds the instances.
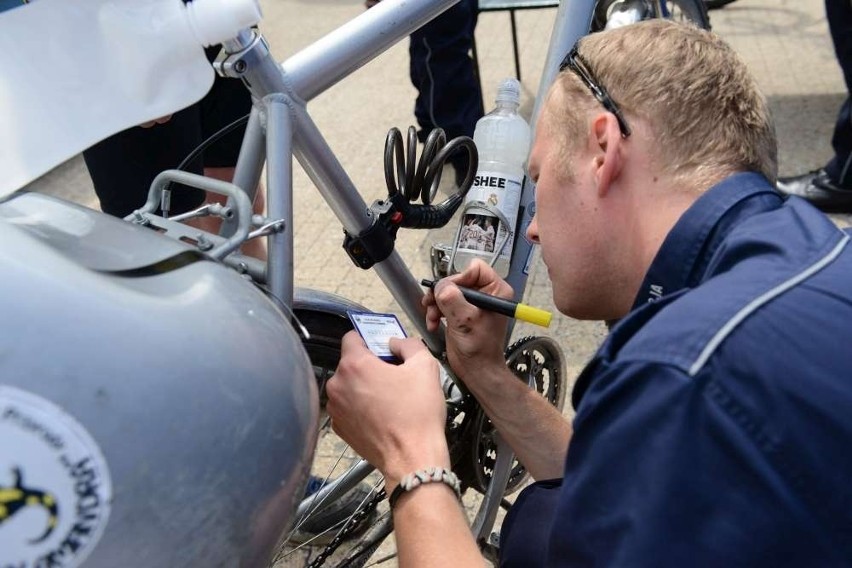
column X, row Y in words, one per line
column 682, row 260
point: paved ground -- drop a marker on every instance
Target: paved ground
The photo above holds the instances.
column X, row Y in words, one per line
column 785, row 42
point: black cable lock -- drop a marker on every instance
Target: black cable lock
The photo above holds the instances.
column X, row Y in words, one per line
column 405, row 184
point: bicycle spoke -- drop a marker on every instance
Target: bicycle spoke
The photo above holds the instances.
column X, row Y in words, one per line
column 315, row 506
column 338, row 528
column 382, row 560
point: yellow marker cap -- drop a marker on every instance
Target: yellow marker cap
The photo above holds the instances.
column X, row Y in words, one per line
column 533, row 315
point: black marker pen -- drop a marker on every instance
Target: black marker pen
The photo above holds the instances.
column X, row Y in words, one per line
column 509, row 308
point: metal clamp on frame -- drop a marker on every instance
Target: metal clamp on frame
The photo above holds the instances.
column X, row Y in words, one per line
column 247, row 50
column 375, row 243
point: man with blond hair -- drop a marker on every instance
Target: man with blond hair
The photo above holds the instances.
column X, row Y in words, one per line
column 713, row 425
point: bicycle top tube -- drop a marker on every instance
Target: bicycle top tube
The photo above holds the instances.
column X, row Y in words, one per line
column 340, row 52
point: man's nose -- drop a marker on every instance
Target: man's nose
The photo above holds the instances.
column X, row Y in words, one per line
column 532, row 230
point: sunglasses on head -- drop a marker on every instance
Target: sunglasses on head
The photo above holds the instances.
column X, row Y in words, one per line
column 575, row 63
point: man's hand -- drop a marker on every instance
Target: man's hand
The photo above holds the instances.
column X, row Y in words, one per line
column 474, row 337
column 393, row 415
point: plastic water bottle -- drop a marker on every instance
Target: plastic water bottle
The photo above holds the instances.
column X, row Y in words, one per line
column 626, row 13
column 78, row 71
column 503, row 140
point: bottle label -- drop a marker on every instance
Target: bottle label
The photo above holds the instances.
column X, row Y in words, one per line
column 482, row 232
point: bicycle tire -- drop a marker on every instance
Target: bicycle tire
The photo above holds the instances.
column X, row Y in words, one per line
column 693, row 11
column 716, row 4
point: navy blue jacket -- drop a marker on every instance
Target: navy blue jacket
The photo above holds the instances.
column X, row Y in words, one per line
column 714, row 425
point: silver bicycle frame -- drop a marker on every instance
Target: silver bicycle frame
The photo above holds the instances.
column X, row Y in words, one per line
column 280, row 127
column 282, row 92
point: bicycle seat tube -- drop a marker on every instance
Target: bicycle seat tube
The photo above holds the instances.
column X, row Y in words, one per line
column 573, row 19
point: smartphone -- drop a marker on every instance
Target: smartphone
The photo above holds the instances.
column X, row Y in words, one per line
column 377, row 330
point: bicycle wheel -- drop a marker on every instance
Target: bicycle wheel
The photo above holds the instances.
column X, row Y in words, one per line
column 692, row 11
column 333, row 458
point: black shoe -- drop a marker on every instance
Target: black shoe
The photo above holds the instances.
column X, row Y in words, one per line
column 817, row 188
column 322, row 526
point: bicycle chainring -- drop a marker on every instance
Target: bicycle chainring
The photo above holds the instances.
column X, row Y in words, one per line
column 539, row 362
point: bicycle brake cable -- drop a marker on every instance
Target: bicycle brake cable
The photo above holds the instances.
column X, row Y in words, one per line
column 212, row 139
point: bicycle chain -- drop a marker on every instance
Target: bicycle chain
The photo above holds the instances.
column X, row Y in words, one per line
column 351, row 526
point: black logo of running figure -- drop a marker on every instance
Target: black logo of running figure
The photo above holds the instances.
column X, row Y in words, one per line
column 16, row 497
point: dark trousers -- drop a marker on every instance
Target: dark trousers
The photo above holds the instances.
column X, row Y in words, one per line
column 839, row 14
column 123, row 166
column 443, row 73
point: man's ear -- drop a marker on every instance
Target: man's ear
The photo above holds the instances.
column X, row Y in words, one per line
column 607, row 147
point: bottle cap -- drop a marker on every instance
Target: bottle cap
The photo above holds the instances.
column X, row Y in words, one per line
column 509, row 91
column 215, row 21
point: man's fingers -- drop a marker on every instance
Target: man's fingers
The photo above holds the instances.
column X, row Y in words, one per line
column 460, row 315
column 351, row 344
column 480, row 276
column 477, row 276
column 428, row 299
column 351, row 339
column 406, row 348
column 433, row 318
column 449, row 298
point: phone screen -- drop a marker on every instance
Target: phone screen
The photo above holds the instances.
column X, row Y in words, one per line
column 377, row 330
